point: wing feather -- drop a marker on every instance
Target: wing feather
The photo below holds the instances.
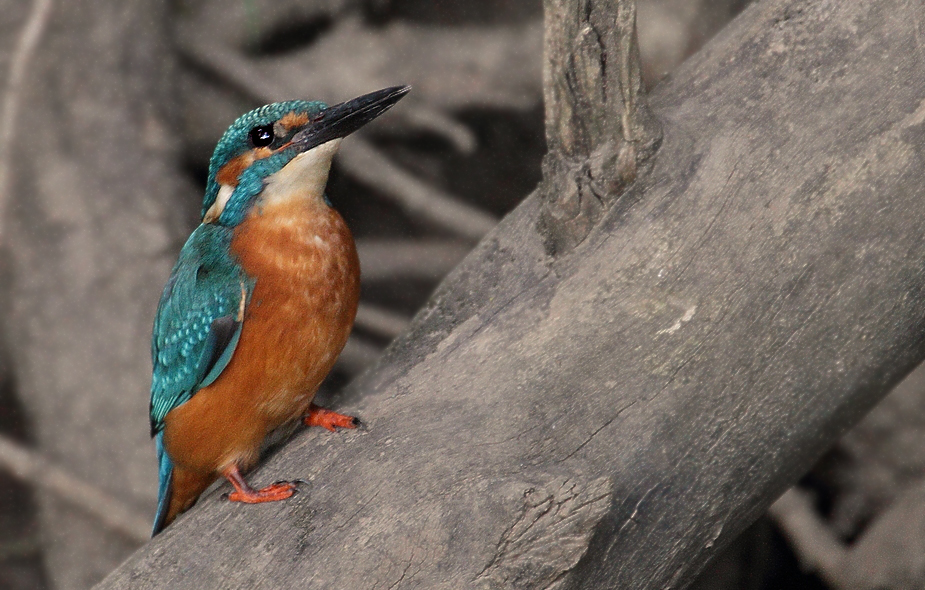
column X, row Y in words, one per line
column 198, row 321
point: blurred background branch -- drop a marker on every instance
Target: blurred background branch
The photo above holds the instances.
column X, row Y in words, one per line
column 35, row 470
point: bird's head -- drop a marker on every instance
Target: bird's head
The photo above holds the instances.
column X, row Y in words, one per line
column 286, row 144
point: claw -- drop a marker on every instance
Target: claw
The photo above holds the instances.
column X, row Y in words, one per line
column 271, row 493
column 318, row 416
column 244, row 493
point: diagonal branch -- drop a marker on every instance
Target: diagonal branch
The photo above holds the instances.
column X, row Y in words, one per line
column 33, row 468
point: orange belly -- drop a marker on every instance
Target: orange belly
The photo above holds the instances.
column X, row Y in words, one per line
column 296, row 323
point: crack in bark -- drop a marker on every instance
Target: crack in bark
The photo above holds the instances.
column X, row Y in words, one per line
column 483, row 323
column 550, row 535
column 350, row 518
column 403, row 573
column 598, row 430
column 632, row 517
column 709, row 228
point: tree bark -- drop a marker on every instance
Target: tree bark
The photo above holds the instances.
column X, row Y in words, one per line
column 91, row 246
column 607, row 406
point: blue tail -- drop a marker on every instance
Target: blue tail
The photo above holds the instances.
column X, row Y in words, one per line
column 164, row 488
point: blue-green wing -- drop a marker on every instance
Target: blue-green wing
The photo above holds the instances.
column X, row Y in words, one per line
column 198, row 321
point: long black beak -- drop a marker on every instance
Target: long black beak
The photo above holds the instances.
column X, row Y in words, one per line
column 343, row 119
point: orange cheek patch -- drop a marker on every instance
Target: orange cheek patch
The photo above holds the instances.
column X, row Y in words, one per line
column 228, row 174
column 292, row 120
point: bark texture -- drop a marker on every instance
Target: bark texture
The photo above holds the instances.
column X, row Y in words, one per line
column 598, row 127
column 608, row 414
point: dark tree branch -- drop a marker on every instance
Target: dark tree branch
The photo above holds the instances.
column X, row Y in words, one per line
column 611, row 416
column 598, row 126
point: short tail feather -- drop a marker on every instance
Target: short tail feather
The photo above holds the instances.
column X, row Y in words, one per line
column 165, row 486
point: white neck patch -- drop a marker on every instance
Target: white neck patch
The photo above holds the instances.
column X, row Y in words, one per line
column 221, row 199
column 304, row 177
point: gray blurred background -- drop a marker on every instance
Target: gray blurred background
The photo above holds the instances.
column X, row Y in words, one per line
column 108, row 116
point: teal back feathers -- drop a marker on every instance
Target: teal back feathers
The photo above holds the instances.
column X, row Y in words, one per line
column 197, row 324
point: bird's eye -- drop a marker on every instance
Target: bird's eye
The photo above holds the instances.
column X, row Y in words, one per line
column 262, row 136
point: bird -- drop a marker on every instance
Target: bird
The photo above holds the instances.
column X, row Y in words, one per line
column 259, row 303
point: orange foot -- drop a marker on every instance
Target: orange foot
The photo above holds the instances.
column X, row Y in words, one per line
column 318, row 416
column 244, row 493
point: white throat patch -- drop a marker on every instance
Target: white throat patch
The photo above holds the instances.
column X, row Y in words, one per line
column 304, row 177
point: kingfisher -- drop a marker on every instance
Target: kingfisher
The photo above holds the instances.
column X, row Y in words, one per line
column 259, row 304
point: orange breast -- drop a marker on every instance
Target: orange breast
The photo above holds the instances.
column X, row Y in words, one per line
column 297, row 321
